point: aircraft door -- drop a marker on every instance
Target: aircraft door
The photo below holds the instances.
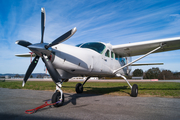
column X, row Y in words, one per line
column 96, row 64
column 106, row 63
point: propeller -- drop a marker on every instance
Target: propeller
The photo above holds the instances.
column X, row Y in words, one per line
column 43, row 20
column 53, row 72
column 23, row 43
column 30, row 69
column 62, row 38
column 42, row 50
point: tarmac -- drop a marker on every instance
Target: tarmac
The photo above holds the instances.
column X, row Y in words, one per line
column 14, row 103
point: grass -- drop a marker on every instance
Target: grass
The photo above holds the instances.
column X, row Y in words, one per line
column 146, row 89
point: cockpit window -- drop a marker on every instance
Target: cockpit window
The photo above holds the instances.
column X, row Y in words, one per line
column 79, row 45
column 96, row 46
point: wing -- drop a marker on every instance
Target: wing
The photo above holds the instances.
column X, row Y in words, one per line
column 141, row 48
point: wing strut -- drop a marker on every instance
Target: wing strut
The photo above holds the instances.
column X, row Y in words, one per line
column 115, row 71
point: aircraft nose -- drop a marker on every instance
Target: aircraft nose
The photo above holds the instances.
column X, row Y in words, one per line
column 39, row 49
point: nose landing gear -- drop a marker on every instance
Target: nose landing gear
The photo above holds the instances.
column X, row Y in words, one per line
column 58, row 96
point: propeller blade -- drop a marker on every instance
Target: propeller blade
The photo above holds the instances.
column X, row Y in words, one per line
column 43, row 20
column 23, row 43
column 53, row 72
column 62, row 38
column 30, row 69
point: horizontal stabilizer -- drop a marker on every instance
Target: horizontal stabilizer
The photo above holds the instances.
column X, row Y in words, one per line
column 142, row 64
column 26, row 55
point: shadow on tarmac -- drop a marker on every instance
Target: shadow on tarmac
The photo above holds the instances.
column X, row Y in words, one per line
column 89, row 93
column 30, row 117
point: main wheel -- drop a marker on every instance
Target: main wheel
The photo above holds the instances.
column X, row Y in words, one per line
column 79, row 88
column 56, row 97
column 134, row 90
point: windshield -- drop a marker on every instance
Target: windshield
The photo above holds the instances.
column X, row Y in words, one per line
column 79, row 45
column 96, row 46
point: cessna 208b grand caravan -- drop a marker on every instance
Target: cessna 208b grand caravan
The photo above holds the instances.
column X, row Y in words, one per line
column 89, row 59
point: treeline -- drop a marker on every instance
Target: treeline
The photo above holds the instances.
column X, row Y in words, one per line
column 156, row 73
column 33, row 75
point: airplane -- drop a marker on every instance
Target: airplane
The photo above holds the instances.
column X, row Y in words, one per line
column 89, row 59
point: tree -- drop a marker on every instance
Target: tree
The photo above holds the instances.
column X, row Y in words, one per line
column 176, row 75
column 138, row 72
column 17, row 76
column 166, row 74
column 39, row 76
column 31, row 76
column 152, row 73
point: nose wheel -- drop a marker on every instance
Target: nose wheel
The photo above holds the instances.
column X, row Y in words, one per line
column 56, row 98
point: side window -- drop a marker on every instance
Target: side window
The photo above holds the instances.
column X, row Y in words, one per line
column 112, row 54
column 116, row 56
column 123, row 60
column 120, row 59
column 107, row 54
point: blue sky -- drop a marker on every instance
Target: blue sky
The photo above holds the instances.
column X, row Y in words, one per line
column 109, row 21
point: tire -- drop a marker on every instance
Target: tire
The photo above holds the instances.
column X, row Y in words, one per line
column 79, row 88
column 56, row 97
column 134, row 90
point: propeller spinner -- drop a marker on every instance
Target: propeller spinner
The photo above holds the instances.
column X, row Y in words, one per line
column 43, row 50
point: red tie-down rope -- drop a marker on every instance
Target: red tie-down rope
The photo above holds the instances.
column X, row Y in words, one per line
column 30, row 111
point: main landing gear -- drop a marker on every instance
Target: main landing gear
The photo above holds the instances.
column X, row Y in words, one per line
column 79, row 86
column 134, row 88
column 58, row 96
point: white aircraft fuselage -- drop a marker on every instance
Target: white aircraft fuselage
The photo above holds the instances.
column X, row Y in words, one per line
column 72, row 61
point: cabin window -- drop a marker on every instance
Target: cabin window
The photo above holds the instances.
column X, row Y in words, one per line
column 123, row 60
column 112, row 54
column 120, row 59
column 107, row 54
column 116, row 56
